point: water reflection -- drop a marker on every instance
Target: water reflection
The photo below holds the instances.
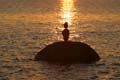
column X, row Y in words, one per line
column 67, row 11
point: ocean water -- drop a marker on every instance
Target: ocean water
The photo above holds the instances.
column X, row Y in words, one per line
column 27, row 26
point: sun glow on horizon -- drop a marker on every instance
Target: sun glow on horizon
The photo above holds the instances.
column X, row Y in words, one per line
column 67, row 11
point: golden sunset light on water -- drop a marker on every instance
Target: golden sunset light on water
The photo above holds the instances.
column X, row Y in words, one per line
column 59, row 40
column 67, row 11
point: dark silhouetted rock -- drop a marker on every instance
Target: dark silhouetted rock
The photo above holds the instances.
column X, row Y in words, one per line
column 68, row 52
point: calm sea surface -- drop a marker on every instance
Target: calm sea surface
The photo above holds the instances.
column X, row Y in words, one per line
column 27, row 26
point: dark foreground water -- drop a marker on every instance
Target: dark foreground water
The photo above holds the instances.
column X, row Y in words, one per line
column 26, row 27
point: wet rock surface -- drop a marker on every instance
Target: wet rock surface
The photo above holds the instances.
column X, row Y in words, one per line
column 68, row 52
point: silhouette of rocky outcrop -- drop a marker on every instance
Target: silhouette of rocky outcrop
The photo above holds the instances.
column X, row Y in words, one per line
column 68, row 52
